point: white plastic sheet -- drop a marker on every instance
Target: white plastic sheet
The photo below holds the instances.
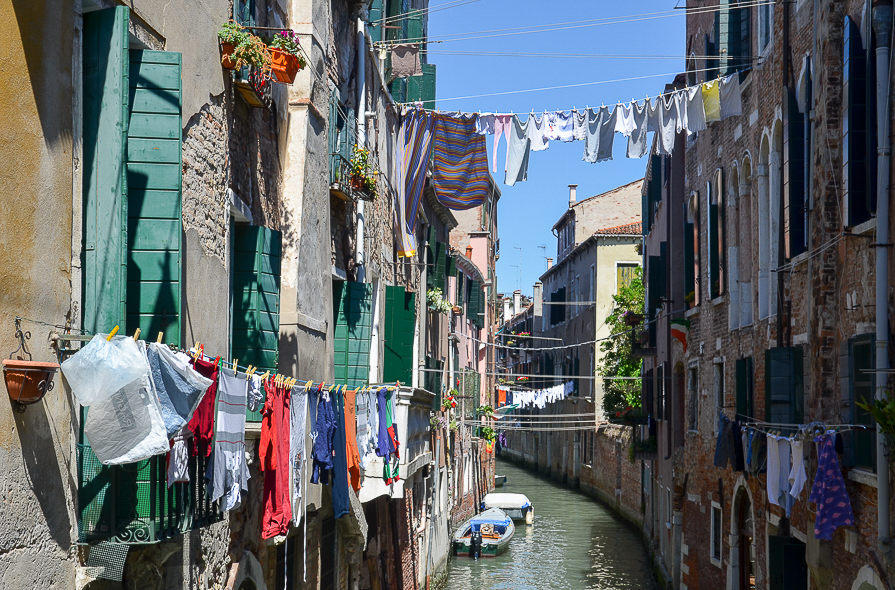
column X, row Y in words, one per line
column 102, row 368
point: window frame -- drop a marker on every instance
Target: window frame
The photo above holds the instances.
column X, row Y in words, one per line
column 693, row 399
column 718, row 392
column 716, row 534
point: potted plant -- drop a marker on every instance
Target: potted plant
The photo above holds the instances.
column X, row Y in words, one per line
column 28, row 381
column 252, row 51
column 231, row 35
column 286, row 58
column 361, row 179
column 632, row 319
column 436, row 301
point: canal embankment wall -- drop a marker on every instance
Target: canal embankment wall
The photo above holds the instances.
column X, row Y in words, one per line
column 597, row 463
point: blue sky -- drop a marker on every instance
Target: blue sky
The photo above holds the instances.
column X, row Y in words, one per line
column 528, row 210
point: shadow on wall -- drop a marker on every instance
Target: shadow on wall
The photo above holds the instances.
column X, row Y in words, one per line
column 49, row 64
column 37, row 438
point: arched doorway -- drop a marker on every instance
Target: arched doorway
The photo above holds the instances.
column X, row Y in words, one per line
column 745, row 531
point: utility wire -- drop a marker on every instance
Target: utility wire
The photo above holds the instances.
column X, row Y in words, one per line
column 421, row 11
column 582, row 55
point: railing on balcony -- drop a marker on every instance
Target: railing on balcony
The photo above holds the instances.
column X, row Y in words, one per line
column 133, row 504
column 340, row 179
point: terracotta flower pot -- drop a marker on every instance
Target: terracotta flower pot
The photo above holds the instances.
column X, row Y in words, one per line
column 357, row 182
column 457, row 310
column 226, row 52
column 28, row 381
column 284, row 66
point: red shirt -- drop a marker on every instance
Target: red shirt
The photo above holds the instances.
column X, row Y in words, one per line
column 202, row 422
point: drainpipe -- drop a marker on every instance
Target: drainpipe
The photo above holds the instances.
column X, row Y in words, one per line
column 359, row 257
column 882, row 28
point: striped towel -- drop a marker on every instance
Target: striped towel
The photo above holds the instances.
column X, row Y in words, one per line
column 460, row 173
column 413, row 161
column 227, row 471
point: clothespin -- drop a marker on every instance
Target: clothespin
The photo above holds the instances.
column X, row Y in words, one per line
column 234, row 366
column 265, row 375
column 248, row 372
column 112, row 333
column 136, row 334
column 159, row 339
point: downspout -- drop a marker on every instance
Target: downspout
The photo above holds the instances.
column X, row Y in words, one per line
column 882, row 28
column 359, row 257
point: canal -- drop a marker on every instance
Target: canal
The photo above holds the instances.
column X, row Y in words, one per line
column 574, row 543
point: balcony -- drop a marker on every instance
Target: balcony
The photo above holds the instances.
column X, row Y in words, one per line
column 340, row 180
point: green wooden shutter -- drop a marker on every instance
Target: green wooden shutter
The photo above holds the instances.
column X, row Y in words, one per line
column 786, row 563
column 353, row 310
column 154, row 178
column 422, row 88
column 475, row 304
column 461, row 289
column 440, row 254
column 244, row 12
column 451, row 265
column 400, row 319
column 375, row 19
column 744, row 387
column 784, row 385
column 256, row 296
column 793, row 176
column 862, row 362
column 855, row 133
column 104, row 193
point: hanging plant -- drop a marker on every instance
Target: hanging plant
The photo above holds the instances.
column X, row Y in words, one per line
column 252, row 51
column 286, row 56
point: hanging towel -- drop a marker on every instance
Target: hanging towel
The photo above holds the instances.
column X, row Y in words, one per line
column 695, row 110
column 413, row 161
column 518, row 152
column 323, row 439
column 579, row 125
column 341, row 503
column 503, row 125
column 484, row 123
column 202, row 422
column 460, row 168
column 179, row 388
column 667, row 124
column 654, row 114
column 778, row 472
column 637, row 145
column 711, row 98
column 600, row 135
column 351, row 438
column 829, row 492
column 560, row 126
column 731, row 96
column 797, row 475
column 298, row 428
column 406, row 60
column 275, row 462
column 227, row 471
column 537, row 132
column 624, row 120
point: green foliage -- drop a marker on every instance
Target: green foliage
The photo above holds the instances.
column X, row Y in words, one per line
column 232, row 33
column 617, row 361
column 486, row 411
column 288, row 41
column 883, row 411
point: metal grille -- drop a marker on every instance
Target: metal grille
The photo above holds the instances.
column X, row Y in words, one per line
column 106, row 560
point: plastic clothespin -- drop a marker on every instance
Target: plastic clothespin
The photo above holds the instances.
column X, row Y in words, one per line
column 248, row 372
column 217, row 361
column 112, row 333
column 265, row 376
column 159, row 339
column 136, row 334
column 234, row 366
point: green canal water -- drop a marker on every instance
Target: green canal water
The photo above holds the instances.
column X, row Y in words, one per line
column 575, row 543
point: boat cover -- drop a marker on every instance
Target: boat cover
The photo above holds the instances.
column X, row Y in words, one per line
column 493, row 516
column 505, row 501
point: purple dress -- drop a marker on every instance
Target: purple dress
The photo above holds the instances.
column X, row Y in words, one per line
column 828, row 491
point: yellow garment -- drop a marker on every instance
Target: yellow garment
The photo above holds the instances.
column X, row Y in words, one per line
column 711, row 97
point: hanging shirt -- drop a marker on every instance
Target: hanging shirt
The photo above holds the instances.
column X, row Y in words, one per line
column 668, row 124
column 560, row 126
column 484, row 123
column 256, row 394
column 637, row 145
column 711, row 99
column 178, row 462
column 351, row 439
column 579, row 125
column 624, row 120
column 518, row 152
column 730, row 96
column 778, row 472
column 298, row 424
column 277, row 506
column 829, row 492
column 695, row 110
column 202, row 422
column 341, row 503
column 323, row 439
column 537, row 132
column 385, row 445
column 797, row 475
column 503, row 125
column 600, row 135
column 179, row 388
column 227, row 471
column 367, row 428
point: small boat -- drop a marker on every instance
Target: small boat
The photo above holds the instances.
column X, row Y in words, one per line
column 517, row 506
column 485, row 535
column 499, row 480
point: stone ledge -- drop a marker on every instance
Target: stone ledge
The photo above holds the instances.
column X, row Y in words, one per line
column 868, row 478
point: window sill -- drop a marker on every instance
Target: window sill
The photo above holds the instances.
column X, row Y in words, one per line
column 715, row 562
column 718, row 300
column 691, row 312
column 864, row 228
column 862, row 476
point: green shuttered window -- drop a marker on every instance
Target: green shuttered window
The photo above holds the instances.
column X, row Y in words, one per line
column 353, row 311
column 784, row 385
column 400, row 320
column 744, row 388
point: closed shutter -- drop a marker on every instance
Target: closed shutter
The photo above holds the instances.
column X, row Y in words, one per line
column 400, row 317
column 744, row 388
column 154, row 179
column 784, row 385
column 375, row 19
column 787, row 567
column 353, row 325
column 104, row 191
column 440, row 256
column 793, row 176
column 244, row 12
column 689, row 260
column 422, row 88
column 461, row 289
column 256, row 297
column 856, row 173
column 862, row 381
column 845, row 395
column 451, row 265
column 475, row 302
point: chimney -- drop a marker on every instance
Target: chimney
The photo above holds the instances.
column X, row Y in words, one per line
column 573, row 194
column 506, row 309
column 469, row 251
column 549, row 263
column 517, row 301
column 536, row 299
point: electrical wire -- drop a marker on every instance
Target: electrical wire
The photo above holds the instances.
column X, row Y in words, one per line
column 581, row 55
column 421, row 11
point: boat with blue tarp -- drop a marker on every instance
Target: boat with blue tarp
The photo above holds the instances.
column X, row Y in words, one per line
column 485, row 535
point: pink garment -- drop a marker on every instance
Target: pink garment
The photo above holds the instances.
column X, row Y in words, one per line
column 502, row 126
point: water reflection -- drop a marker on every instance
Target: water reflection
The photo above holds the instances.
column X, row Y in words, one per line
column 575, row 543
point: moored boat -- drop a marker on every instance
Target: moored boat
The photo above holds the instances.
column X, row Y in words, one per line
column 499, row 480
column 485, row 535
column 516, row 506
